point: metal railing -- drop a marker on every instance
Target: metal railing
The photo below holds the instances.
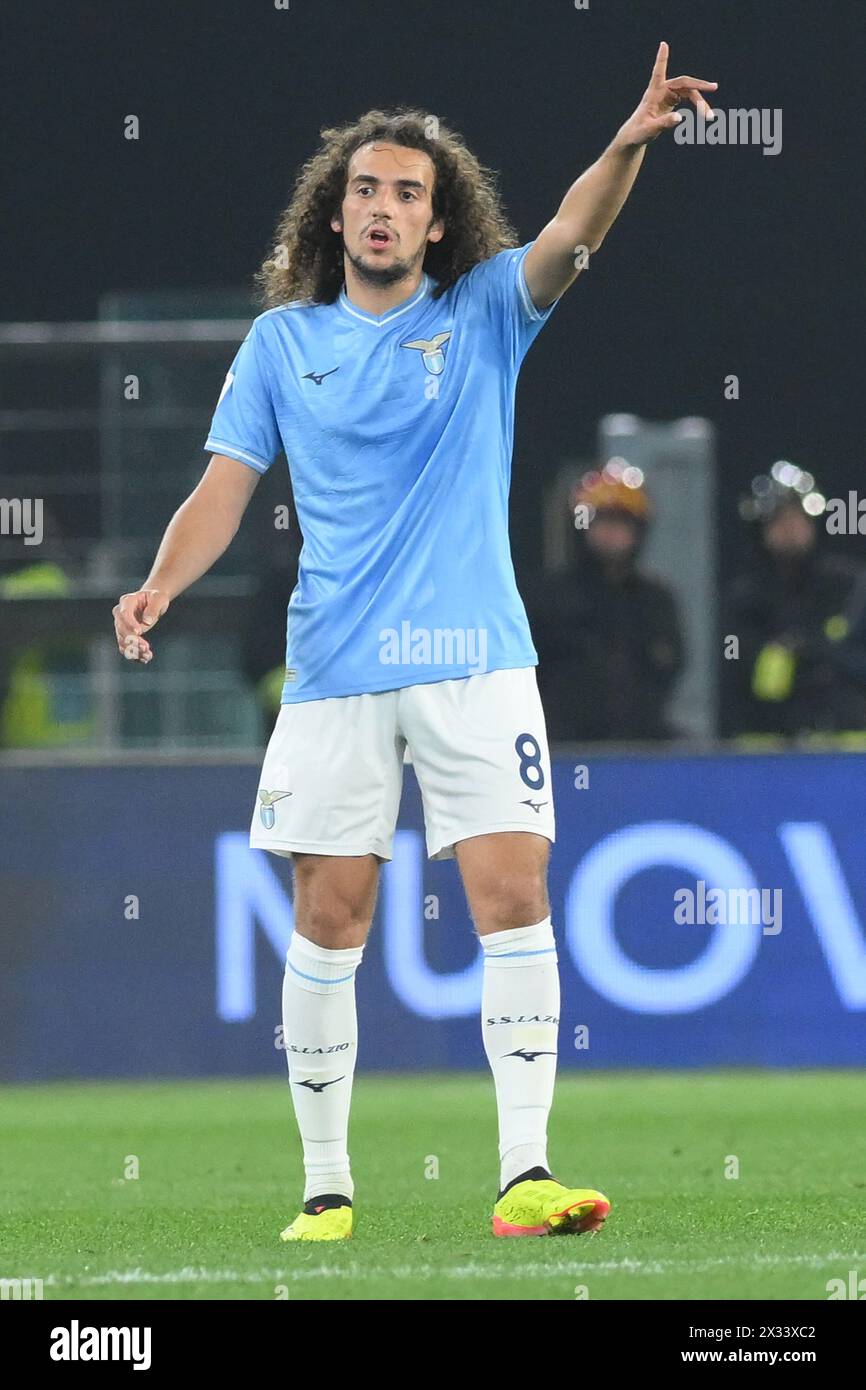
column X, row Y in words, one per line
column 104, row 423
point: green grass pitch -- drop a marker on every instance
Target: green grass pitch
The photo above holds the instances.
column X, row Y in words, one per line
column 220, row 1175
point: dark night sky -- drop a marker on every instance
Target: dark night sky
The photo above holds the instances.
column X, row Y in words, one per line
column 724, row 260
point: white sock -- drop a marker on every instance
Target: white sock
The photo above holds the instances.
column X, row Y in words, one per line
column 520, row 1015
column 320, row 1033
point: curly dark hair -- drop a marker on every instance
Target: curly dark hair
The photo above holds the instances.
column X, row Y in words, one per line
column 308, row 261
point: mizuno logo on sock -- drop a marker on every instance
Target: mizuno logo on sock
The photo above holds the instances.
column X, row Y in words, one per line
column 528, row 1056
column 319, row 1086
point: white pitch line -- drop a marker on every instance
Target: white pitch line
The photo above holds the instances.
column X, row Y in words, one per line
column 191, row 1275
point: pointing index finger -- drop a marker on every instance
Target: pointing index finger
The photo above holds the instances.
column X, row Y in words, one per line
column 661, row 63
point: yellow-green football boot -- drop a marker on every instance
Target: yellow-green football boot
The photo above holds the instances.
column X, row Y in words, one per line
column 536, row 1204
column 328, row 1217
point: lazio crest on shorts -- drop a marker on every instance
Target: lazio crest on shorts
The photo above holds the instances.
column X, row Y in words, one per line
column 266, row 810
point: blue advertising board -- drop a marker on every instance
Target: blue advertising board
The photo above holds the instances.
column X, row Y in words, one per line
column 709, row 911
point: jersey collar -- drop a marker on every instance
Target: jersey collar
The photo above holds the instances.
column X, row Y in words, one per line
column 381, row 320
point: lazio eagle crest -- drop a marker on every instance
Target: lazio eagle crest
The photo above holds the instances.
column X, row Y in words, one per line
column 266, row 810
column 434, row 357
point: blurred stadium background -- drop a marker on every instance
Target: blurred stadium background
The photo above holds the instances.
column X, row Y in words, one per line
column 140, row 936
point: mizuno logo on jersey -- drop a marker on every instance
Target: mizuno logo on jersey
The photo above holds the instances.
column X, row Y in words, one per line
column 433, row 357
column 319, row 377
column 536, row 805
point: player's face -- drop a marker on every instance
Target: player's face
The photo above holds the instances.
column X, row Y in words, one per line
column 386, row 216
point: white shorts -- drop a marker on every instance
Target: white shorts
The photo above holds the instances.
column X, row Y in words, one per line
column 333, row 769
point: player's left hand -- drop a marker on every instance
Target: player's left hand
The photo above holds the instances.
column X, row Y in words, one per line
column 657, row 109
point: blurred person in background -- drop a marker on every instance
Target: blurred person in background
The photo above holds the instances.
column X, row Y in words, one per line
column 46, row 700
column 608, row 635
column 847, row 645
column 795, row 673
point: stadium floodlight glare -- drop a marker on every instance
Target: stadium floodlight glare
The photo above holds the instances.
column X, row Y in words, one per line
column 622, row 423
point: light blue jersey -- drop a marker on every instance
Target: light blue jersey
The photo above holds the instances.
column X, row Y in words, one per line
column 398, row 430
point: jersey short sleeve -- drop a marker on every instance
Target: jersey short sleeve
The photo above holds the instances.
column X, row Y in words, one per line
column 244, row 425
column 500, row 283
